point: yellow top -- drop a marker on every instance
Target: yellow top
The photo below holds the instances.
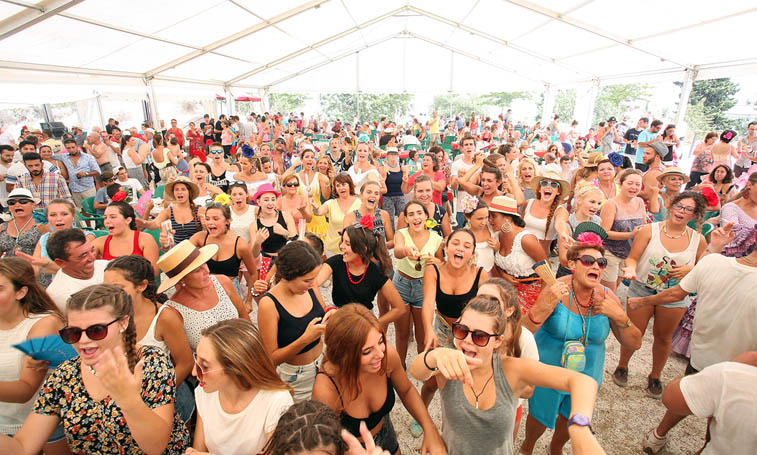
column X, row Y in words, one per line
column 433, row 126
column 406, row 265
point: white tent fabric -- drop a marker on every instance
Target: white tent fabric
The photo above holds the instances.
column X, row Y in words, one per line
column 359, row 46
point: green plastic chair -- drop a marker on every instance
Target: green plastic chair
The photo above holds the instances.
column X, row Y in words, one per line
column 448, row 140
column 155, row 233
column 89, row 215
column 100, row 233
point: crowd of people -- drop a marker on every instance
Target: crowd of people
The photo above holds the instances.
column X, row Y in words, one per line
column 218, row 284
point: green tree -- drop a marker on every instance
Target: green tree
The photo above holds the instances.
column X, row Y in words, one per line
column 457, row 104
column 504, row 99
column 717, row 97
column 565, row 105
column 365, row 107
column 610, row 99
column 698, row 120
column 286, row 102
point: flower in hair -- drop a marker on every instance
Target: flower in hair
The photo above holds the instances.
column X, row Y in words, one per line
column 728, row 134
column 615, row 159
column 468, row 204
column 589, row 239
column 710, row 196
column 247, row 151
column 119, row 196
column 222, row 198
column 431, row 223
column 366, row 222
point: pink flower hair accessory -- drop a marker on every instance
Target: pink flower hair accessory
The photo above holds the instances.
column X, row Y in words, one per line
column 589, row 239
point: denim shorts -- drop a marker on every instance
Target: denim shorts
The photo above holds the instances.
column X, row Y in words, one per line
column 411, row 291
column 636, row 289
column 184, row 404
column 300, row 377
column 386, row 438
column 443, row 333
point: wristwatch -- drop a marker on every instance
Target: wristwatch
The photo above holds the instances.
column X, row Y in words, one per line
column 580, row 420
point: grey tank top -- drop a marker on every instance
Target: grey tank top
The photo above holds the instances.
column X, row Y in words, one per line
column 468, row 430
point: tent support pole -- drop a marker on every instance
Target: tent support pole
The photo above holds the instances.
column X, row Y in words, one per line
column 100, row 109
column 548, row 106
column 689, row 76
column 153, row 105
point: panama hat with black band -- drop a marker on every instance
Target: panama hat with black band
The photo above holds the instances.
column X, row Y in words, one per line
column 182, row 260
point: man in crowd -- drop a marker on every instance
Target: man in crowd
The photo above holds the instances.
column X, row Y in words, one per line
column 177, row 132
column 632, row 134
column 459, row 168
column 646, row 137
column 6, row 160
column 78, row 133
column 43, row 184
column 74, row 253
column 650, row 185
column 95, row 147
column 82, row 168
column 433, row 129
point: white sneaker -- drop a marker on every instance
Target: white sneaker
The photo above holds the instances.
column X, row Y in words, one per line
column 653, row 443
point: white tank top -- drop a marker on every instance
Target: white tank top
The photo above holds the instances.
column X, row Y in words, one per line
column 653, row 269
column 518, row 263
column 536, row 225
column 12, row 415
column 149, row 338
column 128, row 162
column 485, row 254
column 240, row 224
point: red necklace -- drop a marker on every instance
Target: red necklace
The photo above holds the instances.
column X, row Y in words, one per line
column 349, row 275
column 591, row 299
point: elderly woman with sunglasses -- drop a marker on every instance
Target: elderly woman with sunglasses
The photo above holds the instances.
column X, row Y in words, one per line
column 661, row 255
column 21, row 232
column 292, row 201
column 575, row 316
column 112, row 398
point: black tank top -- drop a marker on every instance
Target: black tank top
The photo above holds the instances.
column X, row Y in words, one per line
column 220, row 181
column 394, row 184
column 291, row 328
column 352, row 424
column 274, row 242
column 451, row 305
column 228, row 267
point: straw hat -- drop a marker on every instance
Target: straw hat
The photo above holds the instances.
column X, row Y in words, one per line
column 194, row 190
column 181, row 260
column 673, row 171
column 554, row 176
column 504, row 204
column 594, row 159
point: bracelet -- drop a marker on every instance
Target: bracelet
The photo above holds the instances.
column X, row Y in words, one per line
column 425, row 363
column 530, row 318
column 331, row 308
column 628, row 324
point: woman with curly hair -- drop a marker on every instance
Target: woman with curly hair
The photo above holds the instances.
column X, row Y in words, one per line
column 539, row 214
column 661, row 255
column 721, row 179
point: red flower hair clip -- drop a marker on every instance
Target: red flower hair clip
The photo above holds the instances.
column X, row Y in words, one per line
column 366, row 222
column 589, row 239
column 119, row 196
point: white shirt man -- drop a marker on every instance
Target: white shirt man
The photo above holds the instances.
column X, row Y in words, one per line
column 74, row 253
column 459, row 168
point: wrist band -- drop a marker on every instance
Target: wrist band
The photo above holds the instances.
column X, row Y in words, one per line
column 530, row 318
column 331, row 308
column 426, row 363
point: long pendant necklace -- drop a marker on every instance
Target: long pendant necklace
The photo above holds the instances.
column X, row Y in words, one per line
column 482, row 389
column 19, row 231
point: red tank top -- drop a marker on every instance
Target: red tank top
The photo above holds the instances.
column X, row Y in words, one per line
column 135, row 251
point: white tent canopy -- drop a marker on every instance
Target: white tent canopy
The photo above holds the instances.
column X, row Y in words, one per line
column 433, row 46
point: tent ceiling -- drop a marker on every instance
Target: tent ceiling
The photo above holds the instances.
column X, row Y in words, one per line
column 388, row 46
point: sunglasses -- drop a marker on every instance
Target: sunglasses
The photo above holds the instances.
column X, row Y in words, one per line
column 546, row 183
column 19, row 201
column 588, row 261
column 292, row 185
column 216, row 152
column 479, row 337
column 200, row 372
column 96, row 332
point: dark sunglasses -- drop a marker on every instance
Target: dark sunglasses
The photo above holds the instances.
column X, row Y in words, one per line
column 479, row 337
column 588, row 261
column 71, row 335
column 292, row 185
column 19, row 201
column 200, row 372
column 552, row 183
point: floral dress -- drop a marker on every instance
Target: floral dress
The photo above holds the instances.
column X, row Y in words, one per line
column 99, row 426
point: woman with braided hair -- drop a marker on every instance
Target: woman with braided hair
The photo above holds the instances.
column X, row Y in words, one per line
column 111, row 398
column 539, row 214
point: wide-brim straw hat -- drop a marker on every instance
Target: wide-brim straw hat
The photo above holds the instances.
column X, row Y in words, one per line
column 504, row 204
column 194, row 190
column 673, row 171
column 181, row 260
column 594, row 159
column 554, row 176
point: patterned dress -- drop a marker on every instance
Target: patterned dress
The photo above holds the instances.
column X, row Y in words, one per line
column 98, row 427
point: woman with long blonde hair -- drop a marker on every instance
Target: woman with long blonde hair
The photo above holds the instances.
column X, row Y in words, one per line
column 240, row 396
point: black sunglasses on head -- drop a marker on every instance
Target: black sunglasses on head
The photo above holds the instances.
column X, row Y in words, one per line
column 588, row 261
column 19, row 201
column 479, row 337
column 96, row 332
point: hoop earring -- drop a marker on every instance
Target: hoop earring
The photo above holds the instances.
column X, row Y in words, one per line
column 506, row 227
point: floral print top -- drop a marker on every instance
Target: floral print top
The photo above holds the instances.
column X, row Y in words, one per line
column 99, row 426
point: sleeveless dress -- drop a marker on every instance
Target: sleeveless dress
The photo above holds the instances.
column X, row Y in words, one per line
column 536, row 226
column 624, row 222
column 318, row 225
column 563, row 325
column 240, row 224
column 518, row 264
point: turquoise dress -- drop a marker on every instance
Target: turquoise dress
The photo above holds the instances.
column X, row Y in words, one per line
column 546, row 403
